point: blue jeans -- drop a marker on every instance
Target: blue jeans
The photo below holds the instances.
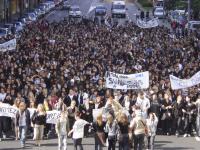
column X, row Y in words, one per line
column 62, row 142
column 124, row 142
column 22, row 134
column 138, row 141
column 78, row 144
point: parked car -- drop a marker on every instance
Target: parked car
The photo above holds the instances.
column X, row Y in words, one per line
column 118, row 9
column 75, row 12
column 9, row 26
column 19, row 26
column 100, row 10
column 31, row 16
column 159, row 12
column 194, row 25
column 42, row 9
column 66, row 5
column 4, row 32
column 51, row 4
column 24, row 20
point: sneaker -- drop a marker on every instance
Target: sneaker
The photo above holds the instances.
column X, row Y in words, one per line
column 22, row 146
column 0, row 139
column 185, row 135
column 189, row 135
column 4, row 136
column 177, row 134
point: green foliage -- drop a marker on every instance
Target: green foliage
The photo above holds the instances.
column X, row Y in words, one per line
column 195, row 5
column 145, row 3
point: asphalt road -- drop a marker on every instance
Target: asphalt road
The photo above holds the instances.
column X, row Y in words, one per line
column 87, row 8
column 162, row 143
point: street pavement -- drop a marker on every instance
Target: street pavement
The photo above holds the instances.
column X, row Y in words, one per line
column 161, row 143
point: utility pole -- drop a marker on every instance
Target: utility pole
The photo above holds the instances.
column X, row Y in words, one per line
column 189, row 15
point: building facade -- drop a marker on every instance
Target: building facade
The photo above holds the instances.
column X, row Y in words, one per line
column 12, row 9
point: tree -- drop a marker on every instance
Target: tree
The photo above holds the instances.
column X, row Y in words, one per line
column 195, row 6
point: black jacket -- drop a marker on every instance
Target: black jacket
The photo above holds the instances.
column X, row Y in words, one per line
column 27, row 114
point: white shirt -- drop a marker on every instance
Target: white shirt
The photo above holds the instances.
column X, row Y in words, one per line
column 144, row 105
column 78, row 128
column 152, row 126
column 63, row 127
column 22, row 119
column 2, row 96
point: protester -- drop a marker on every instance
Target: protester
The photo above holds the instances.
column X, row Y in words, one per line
column 166, row 111
column 39, row 121
column 152, row 123
column 16, row 105
column 72, row 110
column 139, row 127
column 78, row 131
column 111, row 129
column 143, row 103
column 198, row 116
column 23, row 122
column 190, row 117
column 123, row 135
column 62, row 128
column 99, row 137
column 178, row 107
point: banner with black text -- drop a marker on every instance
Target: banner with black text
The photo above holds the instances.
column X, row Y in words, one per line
column 123, row 81
column 8, row 46
column 177, row 83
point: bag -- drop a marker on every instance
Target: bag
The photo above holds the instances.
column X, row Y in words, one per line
column 145, row 129
column 119, row 137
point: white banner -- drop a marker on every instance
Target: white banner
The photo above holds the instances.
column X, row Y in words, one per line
column 177, row 83
column 132, row 81
column 52, row 116
column 7, row 110
column 9, row 45
column 10, row 111
column 148, row 24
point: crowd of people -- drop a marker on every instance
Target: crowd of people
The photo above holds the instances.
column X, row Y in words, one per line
column 61, row 66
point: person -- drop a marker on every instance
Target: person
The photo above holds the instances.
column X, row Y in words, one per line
column 123, row 135
column 152, row 123
column 60, row 106
column 22, row 122
column 16, row 105
column 99, row 137
column 144, row 103
column 166, row 111
column 112, row 130
column 138, row 126
column 78, row 131
column 39, row 120
column 178, row 106
column 72, row 109
column 62, row 128
column 189, row 114
column 198, row 116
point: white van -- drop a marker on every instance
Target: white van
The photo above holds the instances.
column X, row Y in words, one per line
column 194, row 25
column 118, row 9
